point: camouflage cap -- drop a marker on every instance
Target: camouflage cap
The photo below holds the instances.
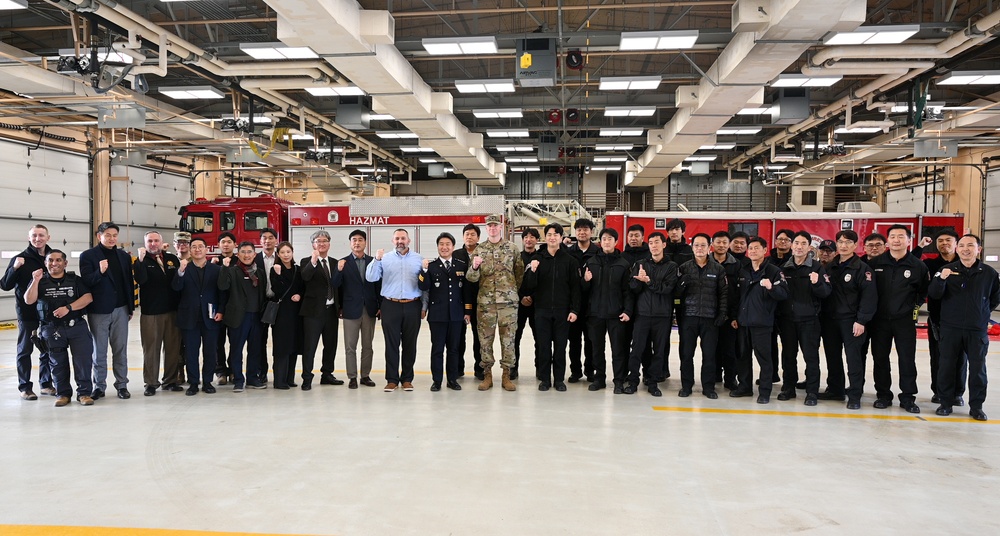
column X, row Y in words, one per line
column 494, row 218
column 182, row 237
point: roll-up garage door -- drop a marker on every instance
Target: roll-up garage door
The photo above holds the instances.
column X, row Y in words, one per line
column 991, row 231
column 147, row 201
column 43, row 186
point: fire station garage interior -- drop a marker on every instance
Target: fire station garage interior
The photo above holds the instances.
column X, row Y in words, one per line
column 212, row 116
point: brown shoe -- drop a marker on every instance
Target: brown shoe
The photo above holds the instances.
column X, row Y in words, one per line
column 389, row 387
column 48, row 391
column 487, row 380
column 407, row 386
column 28, row 395
column 62, row 401
column 86, row 401
column 505, row 381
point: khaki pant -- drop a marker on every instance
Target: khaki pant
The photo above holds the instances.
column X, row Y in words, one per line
column 353, row 328
column 159, row 332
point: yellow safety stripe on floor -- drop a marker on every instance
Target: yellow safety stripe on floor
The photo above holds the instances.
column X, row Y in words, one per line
column 955, row 418
column 41, row 530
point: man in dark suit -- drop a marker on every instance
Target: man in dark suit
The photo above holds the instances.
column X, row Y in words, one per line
column 107, row 271
column 360, row 302
column 154, row 269
column 441, row 281
column 199, row 313
column 265, row 261
column 247, row 289
column 319, row 310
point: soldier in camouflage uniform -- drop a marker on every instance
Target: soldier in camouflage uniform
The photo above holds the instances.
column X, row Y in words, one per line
column 498, row 269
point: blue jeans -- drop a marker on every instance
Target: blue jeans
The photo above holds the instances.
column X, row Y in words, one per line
column 110, row 328
column 24, row 349
column 248, row 333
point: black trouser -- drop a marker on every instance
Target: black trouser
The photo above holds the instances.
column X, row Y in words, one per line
column 446, row 337
column 647, row 352
column 400, row 326
column 284, row 370
column 789, row 352
column 264, row 329
column 933, row 345
column 221, row 365
column 525, row 315
column 884, row 333
column 957, row 346
column 774, row 354
column 552, row 329
column 579, row 340
column 758, row 341
column 197, row 340
column 645, row 329
column 853, row 347
column 725, row 354
column 597, row 328
column 312, row 328
column 477, row 355
column 833, row 352
column 63, row 341
column 691, row 330
column 799, row 335
column 24, row 349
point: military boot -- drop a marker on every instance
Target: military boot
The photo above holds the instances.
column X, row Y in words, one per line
column 505, row 380
column 487, row 380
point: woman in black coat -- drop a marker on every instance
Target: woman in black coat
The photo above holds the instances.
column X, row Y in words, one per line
column 286, row 281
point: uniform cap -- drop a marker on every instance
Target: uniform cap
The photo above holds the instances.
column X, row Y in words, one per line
column 828, row 244
column 182, row 237
column 494, row 218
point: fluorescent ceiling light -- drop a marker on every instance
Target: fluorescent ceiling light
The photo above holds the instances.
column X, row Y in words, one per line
column 522, row 159
column 934, row 107
column 960, row 108
column 738, row 131
column 381, row 117
column 13, row 4
column 663, row 40
column 612, row 147
column 366, row 170
column 460, row 45
column 754, row 111
column 857, row 130
column 500, row 85
column 970, row 78
column 629, row 111
column 277, row 51
column 771, row 167
column 801, row 80
column 498, row 113
column 525, row 168
column 507, row 133
column 620, row 83
column 415, row 149
column 605, row 168
column 610, row 158
column 395, row 134
column 718, row 147
column 191, row 92
column 329, row 149
column 873, row 35
column 515, row 148
column 335, row 91
column 428, row 160
column 701, row 158
column 615, row 132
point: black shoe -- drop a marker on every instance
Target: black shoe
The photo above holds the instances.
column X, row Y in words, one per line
column 280, row 387
column 910, row 407
column 654, row 390
column 97, row 394
column 590, row 378
column 811, row 400
column 740, row 393
column 560, row 386
column 684, row 393
column 435, row 387
column 853, row 404
column 513, row 374
column 575, row 377
column 480, row 376
column 123, row 394
column 191, row 391
column 544, row 386
column 629, row 389
column 944, row 411
column 959, row 401
column 730, row 386
column 786, row 395
column 935, row 399
column 881, row 404
column 800, row 385
column 366, row 381
column 596, row 386
column 173, row 387
column 826, row 395
column 710, row 394
column 307, row 385
column 209, row 389
column 977, row 413
column 292, row 384
column 619, row 388
column 330, row 379
column 353, row 384
column 149, row 391
column 763, row 399
column 454, row 386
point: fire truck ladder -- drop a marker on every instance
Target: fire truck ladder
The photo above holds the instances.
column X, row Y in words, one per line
column 532, row 213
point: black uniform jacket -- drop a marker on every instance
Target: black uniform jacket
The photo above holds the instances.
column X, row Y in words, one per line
column 967, row 296
column 902, row 285
column 608, row 287
column 443, row 289
column 758, row 304
column 655, row 298
column 18, row 280
column 854, row 296
column 556, row 283
column 704, row 291
column 805, row 298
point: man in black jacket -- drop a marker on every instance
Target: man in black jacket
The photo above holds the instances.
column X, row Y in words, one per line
column 441, row 281
column 845, row 312
column 761, row 288
column 199, row 315
column 636, row 250
column 798, row 317
column 583, row 250
column 969, row 291
column 470, row 238
column 360, row 302
column 17, row 278
column 247, row 295
column 320, row 313
column 227, row 250
column 901, row 280
column 606, row 277
column 154, row 270
column 946, row 242
column 553, row 281
column 679, row 251
column 704, row 294
column 525, row 308
column 653, row 282
column 725, row 350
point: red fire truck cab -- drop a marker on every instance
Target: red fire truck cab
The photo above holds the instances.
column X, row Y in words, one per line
column 242, row 216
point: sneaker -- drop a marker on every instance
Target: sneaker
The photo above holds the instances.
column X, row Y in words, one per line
column 238, row 388
column 86, row 401
column 28, row 395
column 48, row 391
column 389, row 387
column 62, row 401
column 407, row 386
column 256, row 385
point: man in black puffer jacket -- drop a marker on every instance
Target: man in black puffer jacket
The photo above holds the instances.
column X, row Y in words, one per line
column 725, row 350
column 761, row 288
column 606, row 278
column 704, row 295
column 653, row 282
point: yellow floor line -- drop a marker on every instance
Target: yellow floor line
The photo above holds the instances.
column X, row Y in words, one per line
column 932, row 418
column 44, row 530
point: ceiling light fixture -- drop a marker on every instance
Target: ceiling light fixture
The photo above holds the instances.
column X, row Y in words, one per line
column 873, row 35
column 629, row 111
column 502, row 85
column 516, row 133
column 857, row 130
column 381, row 117
column 191, row 92
column 771, row 167
column 437, row 46
column 702, row 158
column 970, row 78
column 525, row 168
column 610, row 159
column 395, row 134
column 605, row 168
column 415, row 149
column 755, row 111
column 515, row 148
column 615, row 132
column 738, row 131
column 428, row 160
column 621, row 83
column 277, row 51
column 662, row 40
column 718, row 147
column 13, row 4
column 801, row 80
column 335, row 91
column 522, row 159
column 612, row 147
column 498, row 113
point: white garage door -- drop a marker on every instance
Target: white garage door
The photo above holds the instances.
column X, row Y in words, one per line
column 991, row 231
column 147, row 201
column 41, row 186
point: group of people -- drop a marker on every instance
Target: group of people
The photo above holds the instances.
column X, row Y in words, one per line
column 728, row 294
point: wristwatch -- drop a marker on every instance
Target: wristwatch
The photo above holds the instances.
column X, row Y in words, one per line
column 69, row 307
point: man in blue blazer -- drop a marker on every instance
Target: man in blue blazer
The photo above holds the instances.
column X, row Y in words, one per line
column 199, row 315
column 360, row 302
column 107, row 270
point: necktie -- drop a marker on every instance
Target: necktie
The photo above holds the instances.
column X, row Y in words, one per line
column 447, row 265
column 329, row 287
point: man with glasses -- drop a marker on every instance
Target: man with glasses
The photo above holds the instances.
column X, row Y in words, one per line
column 321, row 275
column 874, row 246
column 704, row 295
column 246, row 287
column 199, row 314
column 946, row 242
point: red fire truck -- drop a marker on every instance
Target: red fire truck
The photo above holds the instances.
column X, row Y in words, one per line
column 242, row 216
column 821, row 225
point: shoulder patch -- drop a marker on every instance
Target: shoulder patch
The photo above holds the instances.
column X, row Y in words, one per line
column 868, row 276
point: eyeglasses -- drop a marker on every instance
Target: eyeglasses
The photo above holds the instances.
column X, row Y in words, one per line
column 321, row 240
column 783, row 239
column 842, row 241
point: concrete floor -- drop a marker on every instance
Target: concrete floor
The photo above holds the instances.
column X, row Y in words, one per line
column 339, row 461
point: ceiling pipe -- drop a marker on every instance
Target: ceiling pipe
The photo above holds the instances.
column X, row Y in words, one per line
column 852, row 68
